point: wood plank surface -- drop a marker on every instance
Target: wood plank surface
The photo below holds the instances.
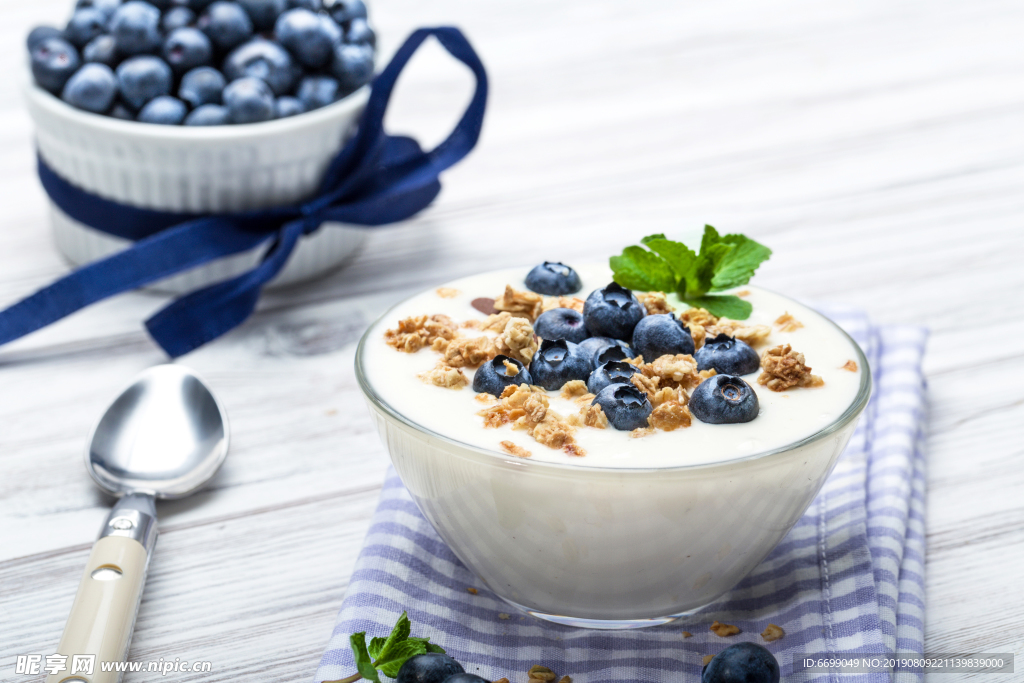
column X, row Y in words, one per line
column 876, row 146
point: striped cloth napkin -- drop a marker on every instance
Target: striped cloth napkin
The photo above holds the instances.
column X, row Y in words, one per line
column 849, row 578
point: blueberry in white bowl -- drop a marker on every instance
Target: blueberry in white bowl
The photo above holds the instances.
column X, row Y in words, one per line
column 604, row 349
column 626, row 407
column 226, row 24
column 92, row 88
column 727, row 356
column 85, row 24
column 724, row 399
column 249, row 100
column 143, row 78
column 493, row 376
column 288, row 106
column 135, row 26
column 432, row 667
column 177, row 17
column 202, row 85
column 742, row 663
column 554, row 279
column 164, row 110
column 186, row 48
column 660, row 335
column 557, row 362
column 208, row 115
column 41, row 33
column 102, row 50
column 264, row 59
column 613, row 312
column 561, row 323
column 612, row 372
column 317, row 91
column 54, row 61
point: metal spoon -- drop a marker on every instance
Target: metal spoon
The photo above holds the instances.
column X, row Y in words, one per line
column 163, row 437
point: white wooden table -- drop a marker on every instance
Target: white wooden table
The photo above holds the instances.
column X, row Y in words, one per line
column 876, row 146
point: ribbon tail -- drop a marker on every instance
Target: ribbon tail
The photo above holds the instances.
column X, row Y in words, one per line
column 201, row 316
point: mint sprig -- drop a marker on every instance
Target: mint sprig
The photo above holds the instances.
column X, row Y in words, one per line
column 723, row 262
column 386, row 655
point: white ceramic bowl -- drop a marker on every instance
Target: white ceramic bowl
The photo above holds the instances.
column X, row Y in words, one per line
column 604, row 547
column 197, row 169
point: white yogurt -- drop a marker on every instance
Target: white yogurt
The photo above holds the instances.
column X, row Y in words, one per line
column 784, row 417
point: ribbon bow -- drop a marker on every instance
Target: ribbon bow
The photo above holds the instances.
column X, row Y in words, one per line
column 376, row 179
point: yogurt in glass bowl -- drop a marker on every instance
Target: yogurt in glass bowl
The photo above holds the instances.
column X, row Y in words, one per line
column 571, row 520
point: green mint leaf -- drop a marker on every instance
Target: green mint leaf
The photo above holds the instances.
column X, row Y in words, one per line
column 431, row 647
column 364, row 665
column 376, row 646
column 649, row 238
column 679, row 257
column 642, row 270
column 399, row 633
column 710, row 238
column 722, row 305
column 738, row 266
column 397, row 654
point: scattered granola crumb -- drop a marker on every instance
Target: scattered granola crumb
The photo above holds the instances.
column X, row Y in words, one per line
column 440, row 345
column 415, row 332
column 486, row 398
column 670, row 416
column 648, row 385
column 850, row 365
column 469, row 353
column 519, row 303
column 787, row 323
column 782, row 368
column 445, row 376
column 554, row 432
column 526, row 408
column 563, row 302
column 517, row 340
column 585, row 399
column 724, row 630
column 447, row 292
column 564, row 679
column 541, row 673
column 641, row 432
column 493, row 323
column 678, row 370
column 754, row 335
column 707, row 660
column 576, row 387
column 593, row 416
column 697, row 317
column 743, row 292
column 772, row 633
column 503, row 616
column 687, row 634
column 511, row 369
column 707, row 374
column 513, row 449
column 655, row 303
column 472, row 590
column 666, row 394
column 501, row 680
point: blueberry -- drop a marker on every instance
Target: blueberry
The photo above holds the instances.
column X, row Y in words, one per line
column 102, row 50
column 612, row 372
column 625, row 406
column 92, row 88
column 54, row 60
column 136, row 28
column 561, row 323
column 317, row 91
column 187, row 48
column 727, row 356
column 724, row 399
column 226, row 24
column 264, row 12
column 432, row 667
column 559, row 361
column 266, row 60
column 177, row 17
column 554, row 279
column 288, row 106
column 311, row 5
column 309, row 37
column 249, row 100
column 41, row 33
column 660, row 335
column 360, row 33
column 466, row 678
column 165, row 110
column 604, row 349
column 208, row 115
column 347, row 10
column 352, row 65
column 198, row 5
column 85, row 24
column 121, row 111
column 143, row 78
column 202, row 85
column 106, row 7
column 742, row 663
column 493, row 376
column 612, row 312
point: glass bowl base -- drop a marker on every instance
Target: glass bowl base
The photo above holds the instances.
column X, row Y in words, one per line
column 604, row 624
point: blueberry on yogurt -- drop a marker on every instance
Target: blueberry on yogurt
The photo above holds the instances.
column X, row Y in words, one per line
column 561, row 323
column 493, row 376
column 612, row 312
column 559, row 361
column 660, row 335
column 554, row 279
column 604, row 349
column 625, row 406
column 727, row 356
column 724, row 399
column 612, row 372
column 742, row 663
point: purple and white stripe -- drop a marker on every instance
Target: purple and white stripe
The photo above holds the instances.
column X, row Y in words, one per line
column 849, row 577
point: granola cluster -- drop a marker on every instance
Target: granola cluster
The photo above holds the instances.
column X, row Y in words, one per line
column 783, row 368
column 521, row 304
column 655, row 302
column 418, row 331
column 517, row 340
column 572, row 302
column 527, row 408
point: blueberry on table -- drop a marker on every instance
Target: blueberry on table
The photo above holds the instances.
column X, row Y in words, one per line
column 347, row 10
column 352, row 65
column 626, row 407
column 101, row 50
column 84, row 25
column 164, row 110
column 554, row 279
column 742, row 663
column 266, row 60
column 249, row 100
column 54, row 60
column 202, row 85
column 317, row 91
column 612, row 372
column 208, row 115
column 288, row 106
column 226, row 24
column 559, row 361
column 263, row 13
column 724, row 399
column 187, row 48
column 612, row 312
column 135, row 26
column 143, row 78
column 360, row 33
column 41, row 33
column 177, row 17
column 308, row 36
column 466, row 678
column 660, row 335
column 432, row 667
column 493, row 376
column 727, row 356
column 92, row 88
column 561, row 323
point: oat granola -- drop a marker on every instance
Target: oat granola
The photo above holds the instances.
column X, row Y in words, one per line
column 850, row 365
column 493, row 323
column 670, row 416
column 783, row 368
column 512, row 449
column 444, row 375
column 655, row 302
column 517, row 340
column 418, row 331
column 772, row 633
column 469, row 352
column 572, row 302
column 787, row 323
column 574, row 388
column 754, row 335
column 724, row 630
column 447, row 292
column 519, row 303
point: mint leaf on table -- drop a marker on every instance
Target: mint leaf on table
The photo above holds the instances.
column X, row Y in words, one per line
column 386, row 655
column 395, row 657
column 364, row 665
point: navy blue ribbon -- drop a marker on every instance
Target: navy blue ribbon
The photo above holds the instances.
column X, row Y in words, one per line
column 376, row 179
